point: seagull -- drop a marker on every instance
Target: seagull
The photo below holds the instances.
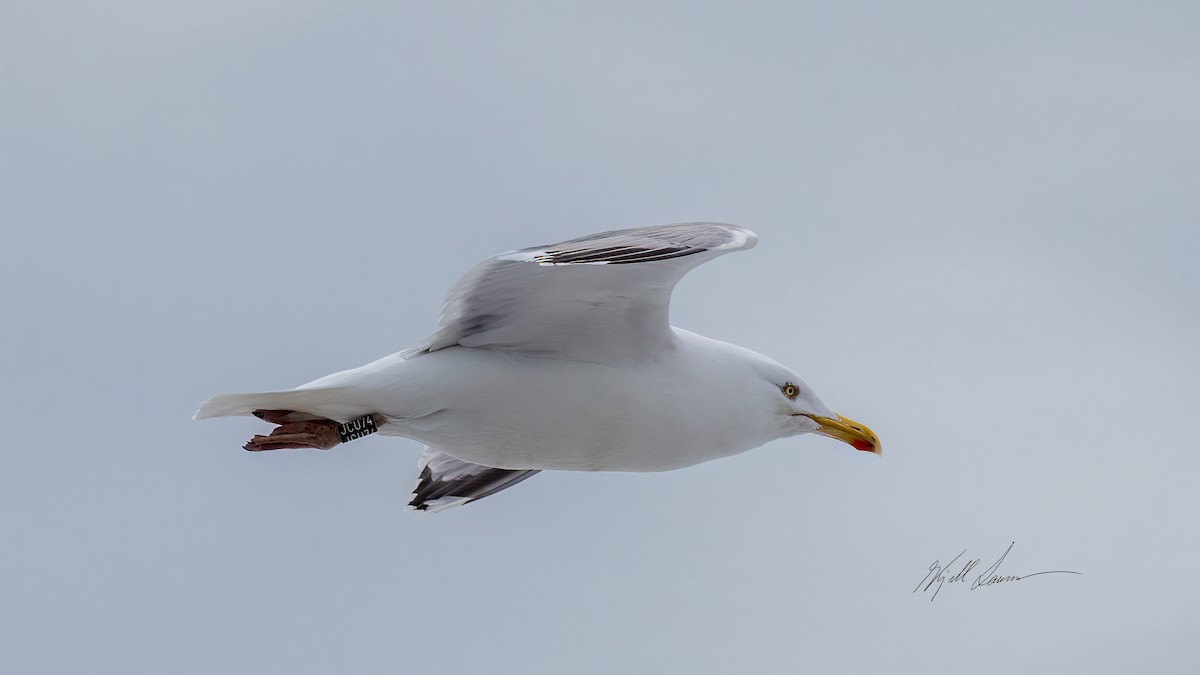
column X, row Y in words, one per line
column 558, row 357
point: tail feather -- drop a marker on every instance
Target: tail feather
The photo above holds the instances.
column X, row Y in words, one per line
column 340, row 404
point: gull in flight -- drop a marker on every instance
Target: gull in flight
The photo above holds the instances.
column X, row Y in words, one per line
column 558, row 357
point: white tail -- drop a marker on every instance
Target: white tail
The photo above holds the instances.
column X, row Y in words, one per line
column 340, row 404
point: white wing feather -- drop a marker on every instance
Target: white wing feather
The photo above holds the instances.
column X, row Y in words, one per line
column 601, row 298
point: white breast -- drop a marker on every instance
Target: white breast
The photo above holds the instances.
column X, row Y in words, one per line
column 688, row 406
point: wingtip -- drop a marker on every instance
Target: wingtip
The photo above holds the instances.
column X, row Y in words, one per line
column 751, row 239
column 437, row 505
column 743, row 238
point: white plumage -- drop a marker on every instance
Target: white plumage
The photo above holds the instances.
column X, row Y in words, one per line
column 562, row 357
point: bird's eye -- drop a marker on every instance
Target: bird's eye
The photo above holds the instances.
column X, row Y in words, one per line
column 790, row 390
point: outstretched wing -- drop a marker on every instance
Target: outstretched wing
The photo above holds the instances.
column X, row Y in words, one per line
column 447, row 482
column 601, row 298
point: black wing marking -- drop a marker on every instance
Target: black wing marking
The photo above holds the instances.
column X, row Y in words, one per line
column 621, row 255
column 447, row 482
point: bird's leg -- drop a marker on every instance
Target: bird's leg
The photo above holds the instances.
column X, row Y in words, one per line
column 319, row 434
column 302, row 430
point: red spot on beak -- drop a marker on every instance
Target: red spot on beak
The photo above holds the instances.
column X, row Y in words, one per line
column 860, row 444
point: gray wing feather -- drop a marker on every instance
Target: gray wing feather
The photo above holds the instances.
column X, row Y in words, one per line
column 446, row 481
column 603, row 297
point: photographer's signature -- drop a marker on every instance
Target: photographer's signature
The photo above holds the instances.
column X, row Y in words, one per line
column 940, row 574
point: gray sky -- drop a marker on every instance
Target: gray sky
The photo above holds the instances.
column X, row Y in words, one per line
column 978, row 234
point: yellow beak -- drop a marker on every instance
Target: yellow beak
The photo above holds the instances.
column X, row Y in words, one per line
column 848, row 431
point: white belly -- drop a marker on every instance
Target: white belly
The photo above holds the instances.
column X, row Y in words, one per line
column 517, row 412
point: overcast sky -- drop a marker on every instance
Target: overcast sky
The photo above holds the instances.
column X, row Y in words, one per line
column 978, row 234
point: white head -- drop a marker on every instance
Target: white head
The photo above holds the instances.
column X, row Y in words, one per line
column 797, row 410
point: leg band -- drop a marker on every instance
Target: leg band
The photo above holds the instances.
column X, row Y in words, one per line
column 358, row 428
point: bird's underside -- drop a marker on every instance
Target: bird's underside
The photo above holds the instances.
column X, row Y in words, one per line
column 444, row 480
